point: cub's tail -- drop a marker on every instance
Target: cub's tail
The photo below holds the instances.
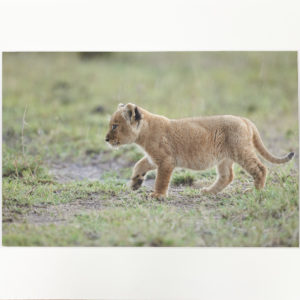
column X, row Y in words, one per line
column 260, row 147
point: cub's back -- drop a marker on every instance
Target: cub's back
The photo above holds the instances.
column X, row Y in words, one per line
column 207, row 133
column 198, row 125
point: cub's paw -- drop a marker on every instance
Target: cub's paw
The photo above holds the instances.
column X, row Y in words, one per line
column 136, row 182
column 158, row 196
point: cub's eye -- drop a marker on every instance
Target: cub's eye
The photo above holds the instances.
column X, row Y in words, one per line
column 114, row 126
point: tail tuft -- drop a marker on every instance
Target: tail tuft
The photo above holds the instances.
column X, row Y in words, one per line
column 291, row 155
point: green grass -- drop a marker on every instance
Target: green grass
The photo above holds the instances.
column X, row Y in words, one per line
column 67, row 101
column 183, row 178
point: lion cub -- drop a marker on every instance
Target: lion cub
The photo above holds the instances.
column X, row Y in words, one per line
column 194, row 143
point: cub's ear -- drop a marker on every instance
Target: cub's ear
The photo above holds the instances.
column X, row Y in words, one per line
column 132, row 113
column 120, row 106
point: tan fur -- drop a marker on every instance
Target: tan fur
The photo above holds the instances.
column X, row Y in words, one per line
column 194, row 143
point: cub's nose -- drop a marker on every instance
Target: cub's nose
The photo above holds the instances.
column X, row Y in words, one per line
column 106, row 139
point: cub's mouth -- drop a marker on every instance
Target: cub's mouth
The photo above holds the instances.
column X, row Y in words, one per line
column 114, row 144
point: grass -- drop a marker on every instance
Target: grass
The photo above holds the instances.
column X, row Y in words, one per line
column 56, row 108
column 183, row 178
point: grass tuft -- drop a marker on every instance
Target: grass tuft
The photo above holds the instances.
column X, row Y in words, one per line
column 20, row 166
column 183, row 178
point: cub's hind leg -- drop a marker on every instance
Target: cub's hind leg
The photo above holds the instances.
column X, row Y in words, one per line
column 250, row 162
column 139, row 171
column 225, row 176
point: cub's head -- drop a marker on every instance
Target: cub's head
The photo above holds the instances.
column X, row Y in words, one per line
column 124, row 125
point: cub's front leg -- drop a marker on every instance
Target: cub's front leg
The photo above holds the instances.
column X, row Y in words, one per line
column 164, row 173
column 139, row 171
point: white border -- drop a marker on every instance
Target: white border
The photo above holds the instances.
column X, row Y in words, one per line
column 135, row 273
column 139, row 25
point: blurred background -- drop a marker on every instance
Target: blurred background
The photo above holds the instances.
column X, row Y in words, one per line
column 68, row 97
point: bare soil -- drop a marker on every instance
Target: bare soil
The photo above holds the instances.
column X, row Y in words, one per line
column 65, row 172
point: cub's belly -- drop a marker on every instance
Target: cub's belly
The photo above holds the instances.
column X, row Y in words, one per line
column 196, row 163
